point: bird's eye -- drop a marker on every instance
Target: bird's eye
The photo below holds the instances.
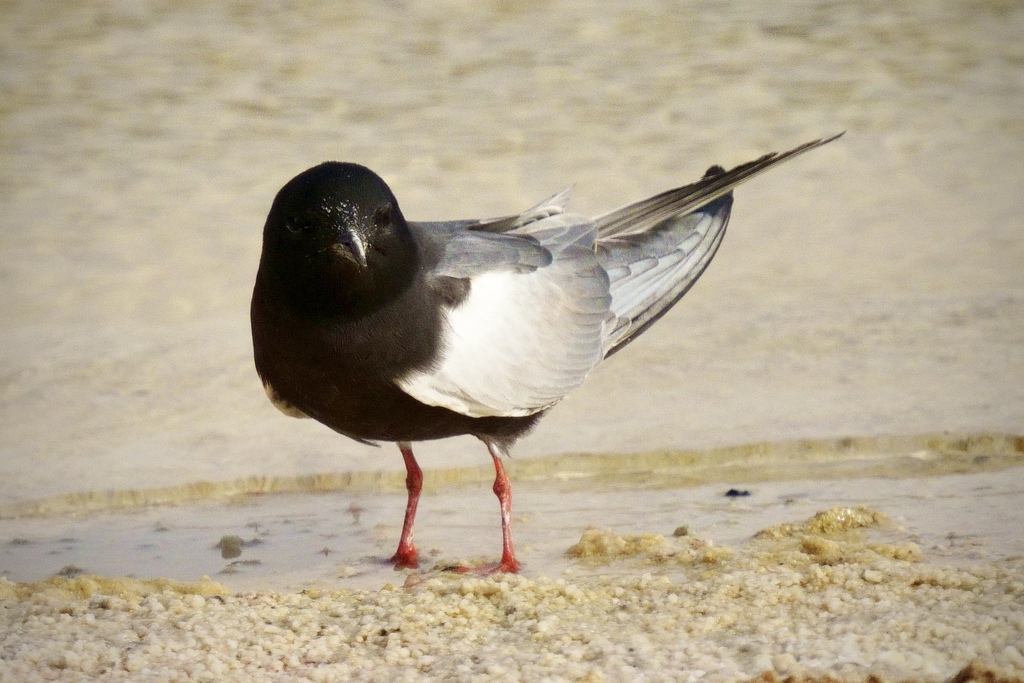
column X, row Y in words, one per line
column 382, row 216
column 296, row 227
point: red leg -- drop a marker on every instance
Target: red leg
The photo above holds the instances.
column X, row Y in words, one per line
column 503, row 490
column 406, row 556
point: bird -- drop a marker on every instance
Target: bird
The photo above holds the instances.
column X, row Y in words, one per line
column 390, row 330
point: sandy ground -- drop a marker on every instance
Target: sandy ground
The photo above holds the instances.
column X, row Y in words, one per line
column 872, row 289
column 695, row 586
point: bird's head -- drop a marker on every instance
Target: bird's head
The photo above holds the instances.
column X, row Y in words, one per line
column 338, row 212
column 335, row 231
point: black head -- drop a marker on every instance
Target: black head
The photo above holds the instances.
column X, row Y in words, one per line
column 341, row 208
column 336, row 227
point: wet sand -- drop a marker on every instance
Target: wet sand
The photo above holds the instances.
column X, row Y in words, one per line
column 867, row 301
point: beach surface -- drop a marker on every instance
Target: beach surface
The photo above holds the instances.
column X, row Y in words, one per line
column 855, row 352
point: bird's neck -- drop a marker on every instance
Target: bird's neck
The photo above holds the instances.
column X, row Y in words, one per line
column 333, row 288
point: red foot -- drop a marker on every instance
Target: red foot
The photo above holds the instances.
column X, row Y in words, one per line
column 406, row 559
column 510, row 566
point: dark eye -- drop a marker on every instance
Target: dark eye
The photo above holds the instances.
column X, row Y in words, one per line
column 296, row 227
column 382, row 216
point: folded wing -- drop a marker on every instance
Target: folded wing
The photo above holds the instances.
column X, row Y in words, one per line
column 530, row 327
column 550, row 294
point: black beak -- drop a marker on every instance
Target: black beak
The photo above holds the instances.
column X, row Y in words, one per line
column 350, row 246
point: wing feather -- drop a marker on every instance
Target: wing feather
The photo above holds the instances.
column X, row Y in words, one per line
column 522, row 338
column 650, row 273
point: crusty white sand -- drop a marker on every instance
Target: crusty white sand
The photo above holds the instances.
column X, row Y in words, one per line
column 870, row 290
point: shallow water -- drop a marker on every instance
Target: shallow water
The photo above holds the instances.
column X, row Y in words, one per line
column 327, row 540
column 957, row 497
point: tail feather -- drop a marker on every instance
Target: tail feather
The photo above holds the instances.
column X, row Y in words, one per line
column 656, row 249
column 639, row 217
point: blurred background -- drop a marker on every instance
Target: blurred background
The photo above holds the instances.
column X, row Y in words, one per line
column 873, row 287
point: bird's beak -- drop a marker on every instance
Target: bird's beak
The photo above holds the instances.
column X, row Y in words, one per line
column 350, row 246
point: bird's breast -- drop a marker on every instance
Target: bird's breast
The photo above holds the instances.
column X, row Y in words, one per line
column 343, row 370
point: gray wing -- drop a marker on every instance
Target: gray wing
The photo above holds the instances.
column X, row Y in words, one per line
column 551, row 294
column 552, row 206
column 649, row 272
column 463, row 248
column 656, row 249
column 531, row 325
